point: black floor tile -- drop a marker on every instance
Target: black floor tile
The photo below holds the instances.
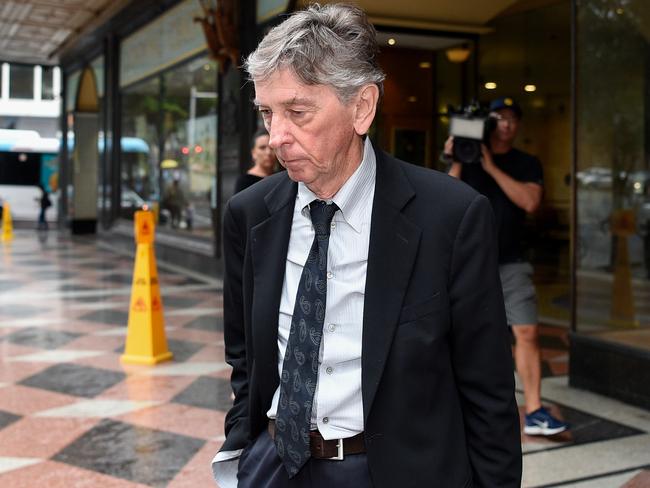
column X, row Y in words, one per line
column 207, row 392
column 180, row 302
column 191, row 281
column 109, row 317
column 35, row 262
column 587, row 428
column 7, row 418
column 206, row 322
column 74, row 379
column 118, row 278
column 53, row 275
column 41, row 338
column 98, row 264
column 138, row 454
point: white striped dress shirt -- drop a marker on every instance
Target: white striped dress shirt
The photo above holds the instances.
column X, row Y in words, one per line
column 338, row 408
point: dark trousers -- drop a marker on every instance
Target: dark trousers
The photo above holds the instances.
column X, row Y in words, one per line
column 260, row 467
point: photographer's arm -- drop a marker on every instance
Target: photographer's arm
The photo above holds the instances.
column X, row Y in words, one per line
column 456, row 168
column 526, row 195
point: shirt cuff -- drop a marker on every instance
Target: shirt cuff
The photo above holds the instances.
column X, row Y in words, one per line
column 224, row 468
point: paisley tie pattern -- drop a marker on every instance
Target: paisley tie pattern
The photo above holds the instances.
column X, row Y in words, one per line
column 300, row 367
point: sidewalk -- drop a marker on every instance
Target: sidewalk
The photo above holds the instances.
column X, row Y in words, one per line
column 72, row 416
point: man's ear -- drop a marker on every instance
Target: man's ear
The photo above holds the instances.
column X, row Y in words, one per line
column 366, row 108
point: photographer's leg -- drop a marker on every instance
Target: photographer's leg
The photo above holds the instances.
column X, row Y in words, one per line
column 528, row 363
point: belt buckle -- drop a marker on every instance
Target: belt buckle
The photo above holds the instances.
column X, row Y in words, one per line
column 339, row 456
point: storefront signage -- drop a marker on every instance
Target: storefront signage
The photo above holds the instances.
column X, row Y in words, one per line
column 170, row 38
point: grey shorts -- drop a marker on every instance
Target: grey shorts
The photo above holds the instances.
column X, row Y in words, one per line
column 519, row 293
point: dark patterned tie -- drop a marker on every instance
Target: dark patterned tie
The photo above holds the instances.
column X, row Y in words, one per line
column 300, row 367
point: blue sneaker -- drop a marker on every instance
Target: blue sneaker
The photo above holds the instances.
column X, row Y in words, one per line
column 540, row 422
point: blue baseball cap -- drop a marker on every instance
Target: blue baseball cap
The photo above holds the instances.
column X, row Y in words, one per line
column 506, row 102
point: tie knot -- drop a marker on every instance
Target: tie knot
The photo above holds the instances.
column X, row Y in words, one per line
column 321, row 216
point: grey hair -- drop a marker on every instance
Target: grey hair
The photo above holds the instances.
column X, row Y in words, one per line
column 331, row 45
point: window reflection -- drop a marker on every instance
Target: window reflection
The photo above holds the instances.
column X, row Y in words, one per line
column 613, row 240
column 169, row 146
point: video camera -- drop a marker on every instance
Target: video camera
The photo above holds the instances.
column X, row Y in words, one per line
column 470, row 126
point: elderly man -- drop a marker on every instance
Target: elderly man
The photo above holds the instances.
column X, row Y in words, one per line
column 363, row 311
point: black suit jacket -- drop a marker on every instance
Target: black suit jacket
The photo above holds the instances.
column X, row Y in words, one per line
column 437, row 371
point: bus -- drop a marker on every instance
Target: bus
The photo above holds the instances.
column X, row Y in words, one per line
column 28, row 161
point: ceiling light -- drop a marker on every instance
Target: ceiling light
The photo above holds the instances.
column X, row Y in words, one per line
column 391, row 41
column 620, row 11
column 425, row 65
column 412, row 99
column 458, row 54
column 530, row 88
column 490, row 85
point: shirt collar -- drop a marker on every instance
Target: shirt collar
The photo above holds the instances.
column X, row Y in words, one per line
column 352, row 196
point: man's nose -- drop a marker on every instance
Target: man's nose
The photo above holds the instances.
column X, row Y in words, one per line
column 278, row 132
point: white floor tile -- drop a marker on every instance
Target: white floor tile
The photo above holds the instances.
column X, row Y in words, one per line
column 183, row 369
column 11, row 463
column 605, row 482
column 96, row 408
column 195, row 311
column 582, row 461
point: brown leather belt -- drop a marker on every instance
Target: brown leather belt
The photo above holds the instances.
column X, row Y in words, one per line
column 335, row 449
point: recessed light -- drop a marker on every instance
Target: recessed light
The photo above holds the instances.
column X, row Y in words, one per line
column 490, row 85
column 391, row 41
column 530, row 88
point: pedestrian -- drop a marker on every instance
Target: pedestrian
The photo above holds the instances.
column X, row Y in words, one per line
column 44, row 203
column 263, row 162
column 174, row 200
column 363, row 317
column 513, row 182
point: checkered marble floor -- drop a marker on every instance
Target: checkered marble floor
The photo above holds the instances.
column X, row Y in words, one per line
column 71, row 415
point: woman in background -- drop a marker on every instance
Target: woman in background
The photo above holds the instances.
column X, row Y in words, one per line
column 263, row 162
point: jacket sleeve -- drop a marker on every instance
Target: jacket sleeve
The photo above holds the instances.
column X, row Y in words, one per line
column 237, row 422
column 481, row 352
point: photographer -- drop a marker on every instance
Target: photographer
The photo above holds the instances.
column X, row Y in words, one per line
column 512, row 180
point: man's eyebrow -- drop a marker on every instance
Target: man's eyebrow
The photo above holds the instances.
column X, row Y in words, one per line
column 305, row 102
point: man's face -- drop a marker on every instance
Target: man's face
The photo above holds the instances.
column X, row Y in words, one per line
column 309, row 128
column 507, row 125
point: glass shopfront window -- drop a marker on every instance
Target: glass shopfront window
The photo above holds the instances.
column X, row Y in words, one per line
column 189, row 145
column 139, row 163
column 613, row 178
column 169, row 147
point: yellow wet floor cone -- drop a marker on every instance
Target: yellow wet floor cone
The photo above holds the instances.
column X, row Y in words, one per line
column 7, row 224
column 145, row 339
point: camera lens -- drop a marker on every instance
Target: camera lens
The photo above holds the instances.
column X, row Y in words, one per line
column 467, row 151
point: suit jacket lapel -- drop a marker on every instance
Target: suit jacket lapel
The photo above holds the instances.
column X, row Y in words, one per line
column 394, row 242
column 269, row 244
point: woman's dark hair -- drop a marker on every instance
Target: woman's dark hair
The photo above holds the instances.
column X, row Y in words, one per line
column 258, row 133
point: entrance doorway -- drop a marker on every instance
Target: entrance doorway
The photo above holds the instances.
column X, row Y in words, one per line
column 526, row 55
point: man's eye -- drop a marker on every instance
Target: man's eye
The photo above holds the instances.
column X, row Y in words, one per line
column 265, row 112
column 297, row 113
